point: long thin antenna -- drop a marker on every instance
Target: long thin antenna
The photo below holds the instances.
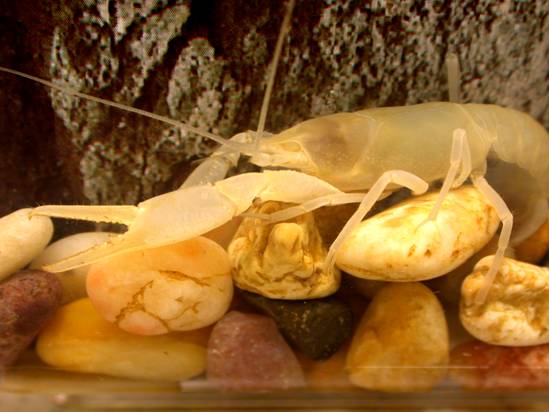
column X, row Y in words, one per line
column 237, row 146
column 452, row 69
column 272, row 70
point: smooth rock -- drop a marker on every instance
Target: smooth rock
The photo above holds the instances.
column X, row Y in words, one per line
column 448, row 287
column 283, row 260
column 400, row 245
column 317, row 328
column 246, row 352
column 78, row 339
column 534, row 248
column 401, row 343
column 22, row 238
column 516, row 309
column 477, row 365
column 183, row 286
column 328, row 373
column 27, row 302
column 366, row 287
column 73, row 281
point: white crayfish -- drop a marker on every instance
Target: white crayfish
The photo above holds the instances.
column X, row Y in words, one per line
column 369, row 151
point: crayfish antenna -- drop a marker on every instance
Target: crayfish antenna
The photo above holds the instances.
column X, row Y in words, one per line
column 454, row 75
column 236, row 146
column 108, row 214
column 114, row 246
column 272, row 71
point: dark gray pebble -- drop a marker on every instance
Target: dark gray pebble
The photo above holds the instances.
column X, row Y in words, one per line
column 316, row 327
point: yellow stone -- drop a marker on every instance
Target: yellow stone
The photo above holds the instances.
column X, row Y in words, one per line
column 401, row 343
column 79, row 339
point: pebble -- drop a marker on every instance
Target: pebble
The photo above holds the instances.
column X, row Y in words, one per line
column 283, row 260
column 516, row 309
column 400, row 245
column 78, row 339
column 22, row 238
column 401, row 343
column 327, row 374
column 533, row 249
column 448, row 287
column 317, row 328
column 179, row 287
column 246, row 352
column 480, row 366
column 366, row 287
column 27, row 301
column 73, row 281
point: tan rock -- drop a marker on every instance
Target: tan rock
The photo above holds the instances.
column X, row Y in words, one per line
column 400, row 245
column 516, row 309
column 282, row 261
column 401, row 343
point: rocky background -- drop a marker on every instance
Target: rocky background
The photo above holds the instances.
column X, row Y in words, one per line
column 205, row 62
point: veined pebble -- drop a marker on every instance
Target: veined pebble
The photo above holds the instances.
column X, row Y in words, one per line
column 179, row 287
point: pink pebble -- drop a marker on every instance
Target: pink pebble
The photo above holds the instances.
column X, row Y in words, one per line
column 477, row 365
column 246, row 352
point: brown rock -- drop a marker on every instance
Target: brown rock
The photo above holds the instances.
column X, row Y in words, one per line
column 246, row 352
column 27, row 301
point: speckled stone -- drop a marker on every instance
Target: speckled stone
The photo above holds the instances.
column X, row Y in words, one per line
column 316, row 327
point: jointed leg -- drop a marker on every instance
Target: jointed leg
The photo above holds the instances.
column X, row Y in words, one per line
column 459, row 156
column 400, row 177
column 293, row 211
column 506, row 218
column 215, row 167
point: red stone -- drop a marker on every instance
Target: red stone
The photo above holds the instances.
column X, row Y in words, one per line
column 477, row 365
column 246, row 352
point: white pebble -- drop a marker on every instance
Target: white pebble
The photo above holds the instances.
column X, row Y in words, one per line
column 400, row 245
column 516, row 310
column 22, row 238
column 73, row 281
